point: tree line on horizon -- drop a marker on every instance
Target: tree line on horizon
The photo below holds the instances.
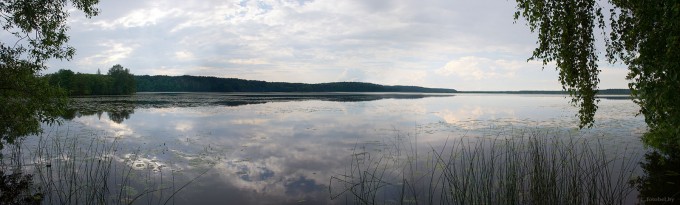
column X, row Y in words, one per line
column 117, row 81
column 622, row 91
column 186, row 83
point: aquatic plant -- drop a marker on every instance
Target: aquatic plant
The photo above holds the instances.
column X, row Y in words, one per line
column 529, row 167
column 75, row 169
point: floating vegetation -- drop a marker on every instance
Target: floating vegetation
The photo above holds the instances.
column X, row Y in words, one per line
column 124, row 104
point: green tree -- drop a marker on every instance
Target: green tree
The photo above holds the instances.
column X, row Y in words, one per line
column 123, row 80
column 645, row 35
column 62, row 79
column 119, row 81
column 37, row 32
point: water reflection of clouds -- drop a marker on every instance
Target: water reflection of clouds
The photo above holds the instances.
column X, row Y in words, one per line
column 184, row 126
column 269, row 156
column 468, row 117
column 289, row 157
column 111, row 127
column 266, row 175
column 288, row 150
column 252, row 121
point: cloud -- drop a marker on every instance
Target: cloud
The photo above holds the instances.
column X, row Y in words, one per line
column 115, row 52
column 613, row 77
column 311, row 41
column 184, row 55
column 478, row 68
column 252, row 61
column 136, row 18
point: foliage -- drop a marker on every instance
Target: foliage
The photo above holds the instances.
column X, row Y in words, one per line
column 213, row 84
column 566, row 37
column 26, row 101
column 37, row 31
column 118, row 81
column 123, row 81
column 661, row 179
column 16, row 188
column 645, row 36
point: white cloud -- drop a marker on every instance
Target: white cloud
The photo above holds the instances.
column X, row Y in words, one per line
column 613, row 77
column 252, row 61
column 478, row 68
column 184, row 55
column 136, row 18
column 427, row 43
column 170, row 71
column 114, row 53
column 201, row 18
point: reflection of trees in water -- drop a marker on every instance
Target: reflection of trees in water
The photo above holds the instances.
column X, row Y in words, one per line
column 661, row 181
column 18, row 188
column 118, row 113
column 119, row 108
column 69, row 114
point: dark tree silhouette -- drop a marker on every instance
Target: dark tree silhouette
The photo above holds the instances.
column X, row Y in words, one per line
column 644, row 35
column 36, row 32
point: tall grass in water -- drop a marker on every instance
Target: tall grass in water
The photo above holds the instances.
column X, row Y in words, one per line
column 532, row 167
column 74, row 170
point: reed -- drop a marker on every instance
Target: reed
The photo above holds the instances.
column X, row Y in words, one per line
column 529, row 167
column 72, row 169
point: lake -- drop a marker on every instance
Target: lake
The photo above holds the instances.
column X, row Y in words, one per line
column 278, row 148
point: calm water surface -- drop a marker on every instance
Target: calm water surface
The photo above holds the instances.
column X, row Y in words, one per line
column 283, row 149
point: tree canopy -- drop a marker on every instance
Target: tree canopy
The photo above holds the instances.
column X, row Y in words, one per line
column 118, row 81
column 187, row 83
column 644, row 35
column 36, row 32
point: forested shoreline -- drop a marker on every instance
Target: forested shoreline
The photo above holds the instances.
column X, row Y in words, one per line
column 186, row 83
column 119, row 81
column 552, row 92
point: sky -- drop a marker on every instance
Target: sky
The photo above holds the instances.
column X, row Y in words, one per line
column 459, row 44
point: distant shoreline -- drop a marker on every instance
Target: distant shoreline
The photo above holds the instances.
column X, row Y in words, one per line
column 187, row 83
column 550, row 92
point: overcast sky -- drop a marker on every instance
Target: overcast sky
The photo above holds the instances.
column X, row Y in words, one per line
column 461, row 44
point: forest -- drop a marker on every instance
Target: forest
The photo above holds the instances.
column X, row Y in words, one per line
column 117, row 81
column 188, row 83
